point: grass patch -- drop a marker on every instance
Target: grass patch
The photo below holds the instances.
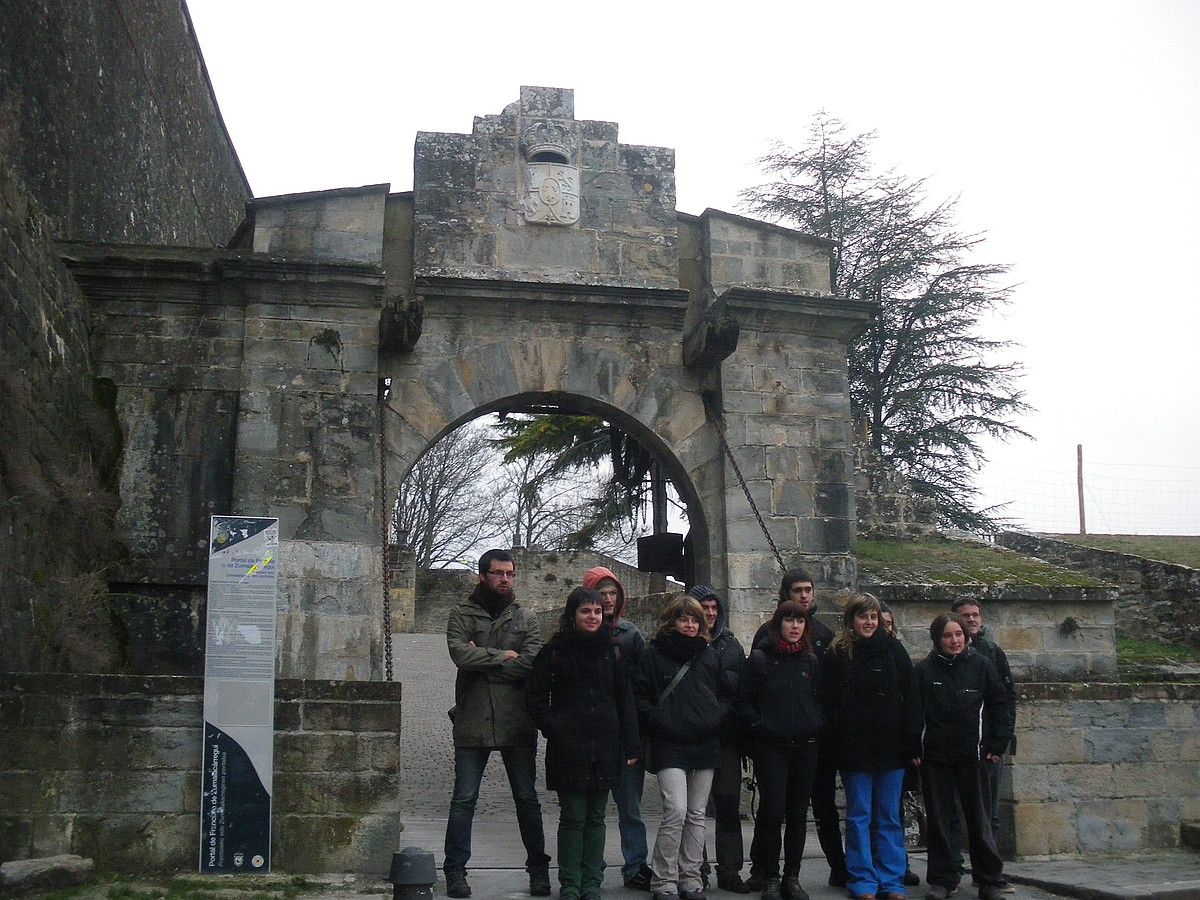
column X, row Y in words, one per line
column 1183, row 550
column 1132, row 651
column 943, row 561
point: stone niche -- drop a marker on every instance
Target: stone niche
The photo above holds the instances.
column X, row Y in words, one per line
column 533, row 194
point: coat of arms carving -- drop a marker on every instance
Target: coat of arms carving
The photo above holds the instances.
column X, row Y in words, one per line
column 553, row 195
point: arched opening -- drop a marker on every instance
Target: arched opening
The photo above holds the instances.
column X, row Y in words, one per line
column 549, row 548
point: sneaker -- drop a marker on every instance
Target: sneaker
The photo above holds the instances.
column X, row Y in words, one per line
column 937, row 892
column 911, row 878
column 755, row 882
column 691, row 893
column 791, row 890
column 772, row 889
column 990, row 892
column 732, row 882
column 641, row 881
column 539, row 883
column 456, row 884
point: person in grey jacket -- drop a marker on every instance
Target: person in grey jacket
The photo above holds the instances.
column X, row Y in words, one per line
column 493, row 641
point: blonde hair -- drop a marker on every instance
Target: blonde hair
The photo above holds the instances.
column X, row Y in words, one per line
column 857, row 604
column 682, row 605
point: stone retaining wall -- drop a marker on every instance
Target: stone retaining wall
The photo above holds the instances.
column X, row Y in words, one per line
column 1048, row 633
column 1157, row 601
column 1103, row 768
column 108, row 767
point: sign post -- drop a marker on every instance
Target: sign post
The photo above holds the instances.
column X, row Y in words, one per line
column 239, row 695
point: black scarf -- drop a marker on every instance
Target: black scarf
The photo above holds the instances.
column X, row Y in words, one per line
column 679, row 647
column 489, row 601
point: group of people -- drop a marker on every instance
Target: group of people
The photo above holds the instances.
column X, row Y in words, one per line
column 689, row 705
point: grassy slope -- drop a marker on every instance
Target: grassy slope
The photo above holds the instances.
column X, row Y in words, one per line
column 1179, row 549
column 940, row 561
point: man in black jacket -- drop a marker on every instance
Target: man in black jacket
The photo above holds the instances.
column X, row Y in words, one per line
column 727, row 781
column 797, row 585
column 981, row 642
column 965, row 712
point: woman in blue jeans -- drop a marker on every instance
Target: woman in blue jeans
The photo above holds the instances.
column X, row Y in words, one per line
column 875, row 727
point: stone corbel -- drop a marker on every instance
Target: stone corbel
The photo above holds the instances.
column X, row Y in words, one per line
column 712, row 339
column 400, row 324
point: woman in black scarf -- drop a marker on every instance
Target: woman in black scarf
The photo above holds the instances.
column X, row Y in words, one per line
column 683, row 699
column 579, row 696
column 875, row 727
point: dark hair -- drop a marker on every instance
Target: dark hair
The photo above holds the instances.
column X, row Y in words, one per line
column 938, row 626
column 577, row 598
column 682, row 605
column 964, row 601
column 788, row 609
column 790, row 578
column 485, row 561
column 859, row 603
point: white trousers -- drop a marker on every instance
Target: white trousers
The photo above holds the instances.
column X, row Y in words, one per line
column 679, row 846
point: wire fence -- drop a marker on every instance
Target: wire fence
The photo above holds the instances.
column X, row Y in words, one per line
column 1119, row 498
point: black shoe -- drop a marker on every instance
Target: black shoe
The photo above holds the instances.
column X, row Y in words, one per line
column 791, row 890
column 539, row 883
column 772, row 889
column 911, row 878
column 755, row 882
column 686, row 894
column 838, row 879
column 640, row 881
column 732, row 882
column 456, row 884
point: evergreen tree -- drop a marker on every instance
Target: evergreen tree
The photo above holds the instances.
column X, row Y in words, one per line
column 927, row 383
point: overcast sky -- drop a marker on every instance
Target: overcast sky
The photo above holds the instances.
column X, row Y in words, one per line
column 1070, row 131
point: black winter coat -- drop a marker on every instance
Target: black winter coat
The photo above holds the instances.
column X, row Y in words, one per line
column 819, row 635
column 872, row 704
column 780, row 697
column 684, row 732
column 983, row 644
column 580, row 697
column 964, row 706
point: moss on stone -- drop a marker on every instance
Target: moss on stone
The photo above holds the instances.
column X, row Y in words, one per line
column 1183, row 550
column 943, row 561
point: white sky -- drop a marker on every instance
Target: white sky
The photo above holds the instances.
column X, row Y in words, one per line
column 1071, row 131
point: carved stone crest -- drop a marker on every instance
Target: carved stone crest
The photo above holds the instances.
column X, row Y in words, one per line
column 553, row 196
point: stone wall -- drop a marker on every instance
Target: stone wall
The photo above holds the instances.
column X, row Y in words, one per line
column 1156, row 601
column 107, row 114
column 109, row 767
column 1048, row 633
column 1106, row 769
column 246, row 384
column 885, row 505
column 56, row 458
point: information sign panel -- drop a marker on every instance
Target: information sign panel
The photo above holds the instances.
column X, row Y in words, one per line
column 239, row 695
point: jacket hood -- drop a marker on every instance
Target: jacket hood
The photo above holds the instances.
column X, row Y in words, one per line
column 703, row 592
column 597, row 574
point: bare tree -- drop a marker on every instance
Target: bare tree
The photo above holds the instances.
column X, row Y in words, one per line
column 444, row 508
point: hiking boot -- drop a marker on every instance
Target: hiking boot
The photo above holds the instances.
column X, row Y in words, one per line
column 755, row 882
column 539, row 883
column 791, row 890
column 456, row 883
column 772, row 889
column 640, row 881
column 732, row 882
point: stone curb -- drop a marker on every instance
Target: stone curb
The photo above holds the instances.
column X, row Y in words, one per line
column 1166, row 890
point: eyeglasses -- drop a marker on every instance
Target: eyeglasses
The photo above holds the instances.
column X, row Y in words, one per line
column 502, row 574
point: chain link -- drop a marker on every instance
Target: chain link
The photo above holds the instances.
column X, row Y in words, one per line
column 383, row 516
column 716, row 420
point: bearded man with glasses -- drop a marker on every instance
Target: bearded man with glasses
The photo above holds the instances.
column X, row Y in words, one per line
column 493, row 641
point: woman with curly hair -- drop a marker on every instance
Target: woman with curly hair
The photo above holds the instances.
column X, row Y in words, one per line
column 683, row 700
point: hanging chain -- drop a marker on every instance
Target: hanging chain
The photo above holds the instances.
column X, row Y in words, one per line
column 383, row 517
column 716, row 420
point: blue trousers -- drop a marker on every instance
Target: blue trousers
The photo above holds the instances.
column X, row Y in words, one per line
column 627, row 796
column 519, row 765
column 875, row 857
